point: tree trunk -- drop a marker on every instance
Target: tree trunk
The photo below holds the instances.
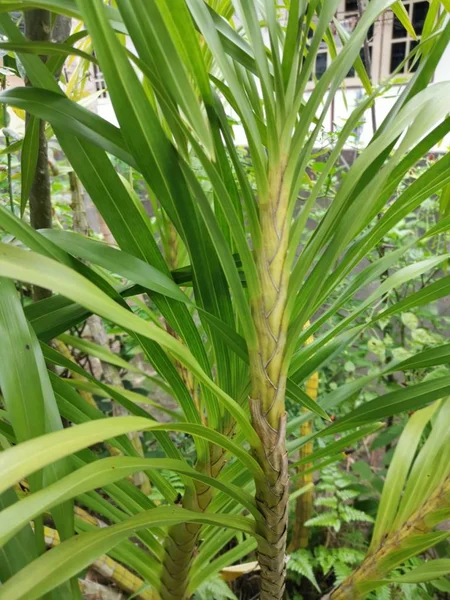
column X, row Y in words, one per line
column 61, row 29
column 38, row 28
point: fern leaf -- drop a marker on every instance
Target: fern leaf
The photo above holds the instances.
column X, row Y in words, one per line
column 350, row 514
column 324, row 558
column 347, row 494
column 341, row 571
column 350, row 556
column 329, row 501
column 301, row 562
column 214, row 588
column 328, row 519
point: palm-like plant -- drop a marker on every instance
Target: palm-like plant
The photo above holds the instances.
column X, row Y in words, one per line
column 415, row 499
column 253, row 292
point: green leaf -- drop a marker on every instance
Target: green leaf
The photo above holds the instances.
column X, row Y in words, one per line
column 334, row 447
column 153, row 41
column 432, row 569
column 301, row 561
column 64, row 7
column 132, row 396
column 52, row 316
column 28, row 159
column 412, row 546
column 29, row 400
column 19, row 551
column 400, row 12
column 68, row 558
column 431, row 467
column 428, row 358
column 359, row 64
column 409, row 398
column 430, row 293
column 206, row 25
column 100, row 352
column 297, row 394
column 428, row 571
column 27, row 457
column 117, row 261
column 97, row 475
column 60, row 111
column 164, row 170
column 23, row 396
column 30, row 267
column 444, row 202
column 47, row 48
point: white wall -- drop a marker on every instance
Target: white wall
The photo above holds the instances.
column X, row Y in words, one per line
column 104, row 109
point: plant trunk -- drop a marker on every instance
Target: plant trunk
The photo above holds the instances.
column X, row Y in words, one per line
column 375, row 566
column 181, row 541
column 272, row 496
column 179, row 547
column 268, row 387
column 38, row 29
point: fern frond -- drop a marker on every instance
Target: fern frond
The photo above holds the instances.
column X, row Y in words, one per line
column 328, row 519
column 341, row 571
column 350, row 514
column 330, row 501
column 301, row 562
column 214, row 589
column 347, row 494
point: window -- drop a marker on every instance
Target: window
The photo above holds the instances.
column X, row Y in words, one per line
column 348, row 15
column 399, row 43
column 321, row 63
column 321, row 59
column 388, row 41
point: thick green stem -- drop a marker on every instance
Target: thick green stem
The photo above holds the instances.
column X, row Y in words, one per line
column 269, row 386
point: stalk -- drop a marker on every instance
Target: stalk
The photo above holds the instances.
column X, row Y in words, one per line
column 268, row 386
column 376, row 564
column 181, row 541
